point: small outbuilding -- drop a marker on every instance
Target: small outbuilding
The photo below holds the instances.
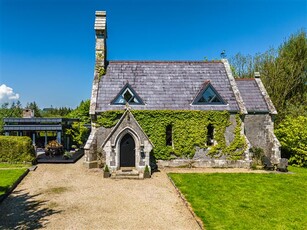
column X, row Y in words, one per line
column 40, row 130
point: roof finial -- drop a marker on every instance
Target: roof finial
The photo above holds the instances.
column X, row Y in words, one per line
column 223, row 54
column 127, row 106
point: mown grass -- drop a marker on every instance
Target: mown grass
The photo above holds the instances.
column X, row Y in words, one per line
column 8, row 177
column 9, row 165
column 247, row 201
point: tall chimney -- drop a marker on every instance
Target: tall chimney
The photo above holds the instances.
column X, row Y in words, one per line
column 101, row 37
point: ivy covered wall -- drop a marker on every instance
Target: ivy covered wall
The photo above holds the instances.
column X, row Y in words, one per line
column 189, row 129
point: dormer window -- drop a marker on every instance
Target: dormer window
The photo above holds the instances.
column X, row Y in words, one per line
column 127, row 95
column 208, row 95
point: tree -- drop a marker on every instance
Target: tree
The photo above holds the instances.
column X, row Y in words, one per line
column 82, row 112
column 79, row 132
column 56, row 112
column 244, row 66
column 286, row 78
column 7, row 110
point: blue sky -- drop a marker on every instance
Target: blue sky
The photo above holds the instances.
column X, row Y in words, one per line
column 47, row 46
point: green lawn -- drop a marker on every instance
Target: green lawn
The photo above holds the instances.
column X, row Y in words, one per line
column 8, row 165
column 9, row 173
column 247, row 201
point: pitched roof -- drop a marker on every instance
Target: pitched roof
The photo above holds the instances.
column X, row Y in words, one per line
column 165, row 85
column 252, row 96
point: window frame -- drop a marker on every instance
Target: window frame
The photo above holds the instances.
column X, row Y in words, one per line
column 121, row 93
column 199, row 96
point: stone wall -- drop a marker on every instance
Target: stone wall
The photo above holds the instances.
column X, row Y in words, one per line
column 201, row 163
column 90, row 151
column 259, row 129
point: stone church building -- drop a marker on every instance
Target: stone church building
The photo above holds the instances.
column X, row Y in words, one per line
column 180, row 87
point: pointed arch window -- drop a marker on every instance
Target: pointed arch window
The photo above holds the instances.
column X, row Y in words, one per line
column 127, row 95
column 169, row 135
column 208, row 95
column 210, row 135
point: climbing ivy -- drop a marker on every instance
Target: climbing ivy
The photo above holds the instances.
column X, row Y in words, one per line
column 189, row 131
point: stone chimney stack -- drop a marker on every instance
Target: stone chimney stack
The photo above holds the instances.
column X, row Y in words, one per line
column 101, row 37
column 28, row 113
column 257, row 74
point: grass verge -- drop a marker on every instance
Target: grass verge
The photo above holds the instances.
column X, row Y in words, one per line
column 8, row 165
column 8, row 176
column 247, row 201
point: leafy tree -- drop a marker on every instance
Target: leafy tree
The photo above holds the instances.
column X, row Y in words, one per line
column 7, row 110
column 292, row 134
column 286, row 78
column 56, row 112
column 244, row 66
column 82, row 112
column 79, row 132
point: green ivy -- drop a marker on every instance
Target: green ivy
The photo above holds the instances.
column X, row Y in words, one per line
column 101, row 71
column 189, row 130
column 238, row 146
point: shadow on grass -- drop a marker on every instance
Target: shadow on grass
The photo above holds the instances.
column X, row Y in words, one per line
column 24, row 211
column 3, row 189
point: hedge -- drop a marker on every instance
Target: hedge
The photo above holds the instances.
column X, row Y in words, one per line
column 15, row 149
column 189, row 130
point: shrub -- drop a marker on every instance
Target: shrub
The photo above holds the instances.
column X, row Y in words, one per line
column 257, row 157
column 16, row 149
column 292, row 134
column 106, row 169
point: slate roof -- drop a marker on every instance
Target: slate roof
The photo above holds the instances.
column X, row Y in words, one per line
column 252, row 96
column 165, row 85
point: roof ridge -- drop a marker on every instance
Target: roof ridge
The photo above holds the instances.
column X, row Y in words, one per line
column 162, row 61
column 244, row 79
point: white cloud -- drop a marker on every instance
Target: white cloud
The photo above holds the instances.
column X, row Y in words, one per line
column 7, row 94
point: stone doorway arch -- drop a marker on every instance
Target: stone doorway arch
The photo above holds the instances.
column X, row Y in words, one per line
column 127, row 151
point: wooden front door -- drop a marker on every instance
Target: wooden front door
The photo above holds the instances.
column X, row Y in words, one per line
column 127, row 151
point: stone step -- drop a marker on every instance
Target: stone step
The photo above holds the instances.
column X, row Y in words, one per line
column 127, row 174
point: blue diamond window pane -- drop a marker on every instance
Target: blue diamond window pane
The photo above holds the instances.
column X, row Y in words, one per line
column 120, row 100
column 128, row 96
column 135, row 100
column 209, row 96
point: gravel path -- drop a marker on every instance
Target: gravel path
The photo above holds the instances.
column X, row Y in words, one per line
column 72, row 197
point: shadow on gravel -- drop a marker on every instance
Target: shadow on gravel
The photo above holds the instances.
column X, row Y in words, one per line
column 24, row 211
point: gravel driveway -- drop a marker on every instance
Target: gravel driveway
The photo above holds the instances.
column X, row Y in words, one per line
column 58, row 196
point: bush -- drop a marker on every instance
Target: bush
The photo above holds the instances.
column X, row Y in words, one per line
column 258, row 157
column 16, row 149
column 106, row 169
column 292, row 134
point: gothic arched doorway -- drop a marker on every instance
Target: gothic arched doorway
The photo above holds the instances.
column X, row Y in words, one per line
column 127, row 151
